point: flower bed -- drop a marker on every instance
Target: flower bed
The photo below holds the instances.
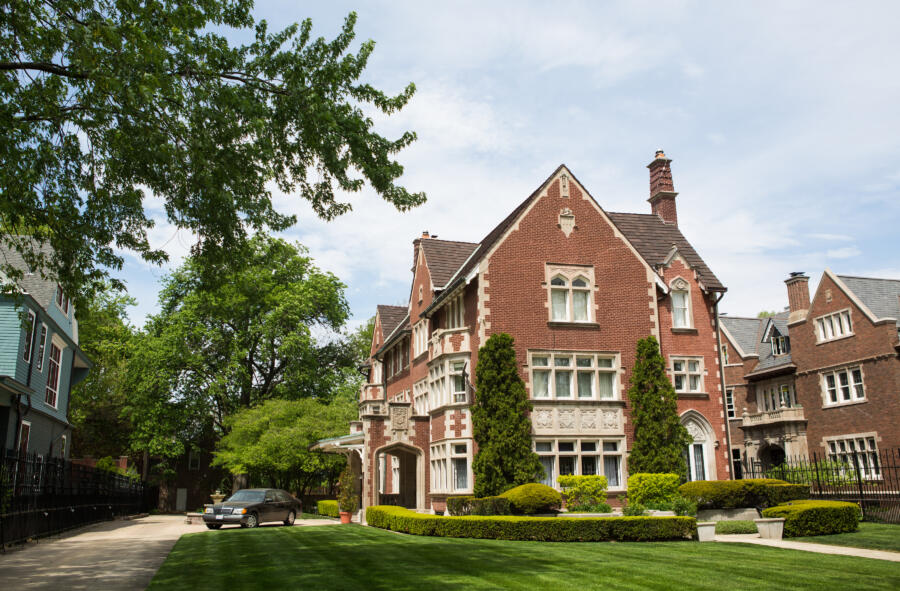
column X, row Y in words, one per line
column 546, row 529
column 816, row 518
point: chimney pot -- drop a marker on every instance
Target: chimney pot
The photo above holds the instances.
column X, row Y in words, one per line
column 425, row 234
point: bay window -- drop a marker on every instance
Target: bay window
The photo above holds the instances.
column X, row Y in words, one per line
column 852, row 451
column 585, row 457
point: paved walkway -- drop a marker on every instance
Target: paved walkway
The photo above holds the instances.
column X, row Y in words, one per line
column 108, row 556
column 808, row 547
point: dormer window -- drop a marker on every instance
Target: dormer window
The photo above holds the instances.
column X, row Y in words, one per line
column 681, row 304
column 570, row 295
column 780, row 345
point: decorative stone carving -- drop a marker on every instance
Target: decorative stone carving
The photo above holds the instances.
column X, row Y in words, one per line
column 567, row 221
column 399, row 418
column 828, row 295
column 567, row 419
column 589, row 419
column 543, row 418
column 696, row 432
column 564, row 185
column 680, row 284
column 610, row 419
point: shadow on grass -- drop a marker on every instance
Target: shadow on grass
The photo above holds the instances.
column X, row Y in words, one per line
column 355, row 557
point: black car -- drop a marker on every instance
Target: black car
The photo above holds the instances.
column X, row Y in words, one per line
column 251, row 506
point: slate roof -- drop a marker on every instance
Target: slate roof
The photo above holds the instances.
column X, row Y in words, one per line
column 654, row 240
column 42, row 290
column 746, row 331
column 768, row 361
column 444, row 257
column 882, row 296
column 391, row 317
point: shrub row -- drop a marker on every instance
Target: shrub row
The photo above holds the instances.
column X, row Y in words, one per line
column 732, row 494
column 645, row 488
column 816, row 518
column 546, row 529
column 469, row 505
column 328, row 508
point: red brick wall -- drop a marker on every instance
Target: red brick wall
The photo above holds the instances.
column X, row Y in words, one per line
column 872, row 347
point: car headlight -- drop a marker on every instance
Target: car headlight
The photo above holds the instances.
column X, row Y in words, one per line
column 238, row 511
column 210, row 510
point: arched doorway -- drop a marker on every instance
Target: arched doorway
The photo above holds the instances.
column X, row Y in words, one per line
column 771, row 456
column 699, row 453
column 400, row 476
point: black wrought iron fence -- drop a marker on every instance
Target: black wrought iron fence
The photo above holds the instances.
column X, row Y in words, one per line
column 869, row 478
column 43, row 496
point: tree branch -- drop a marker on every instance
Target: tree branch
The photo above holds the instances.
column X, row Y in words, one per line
column 43, row 67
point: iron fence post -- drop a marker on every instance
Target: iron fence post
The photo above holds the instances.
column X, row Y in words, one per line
column 862, row 504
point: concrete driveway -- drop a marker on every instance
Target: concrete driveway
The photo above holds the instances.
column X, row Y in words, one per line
column 107, row 556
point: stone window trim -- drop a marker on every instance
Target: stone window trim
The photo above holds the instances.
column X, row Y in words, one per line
column 682, row 309
column 420, row 397
column 445, row 380
column 863, row 445
column 581, row 450
column 688, row 374
column 833, row 326
column 596, row 372
column 578, row 286
column 446, row 457
column 843, row 386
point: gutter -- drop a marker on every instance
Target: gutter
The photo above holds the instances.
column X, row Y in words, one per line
column 722, row 380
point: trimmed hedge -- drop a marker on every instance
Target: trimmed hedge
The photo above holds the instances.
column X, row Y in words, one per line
column 545, row 529
column 733, row 494
column 584, row 493
column 533, row 498
column 645, row 488
column 328, row 508
column 816, row 518
column 469, row 505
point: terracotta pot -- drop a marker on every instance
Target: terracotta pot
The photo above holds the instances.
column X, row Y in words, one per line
column 345, row 516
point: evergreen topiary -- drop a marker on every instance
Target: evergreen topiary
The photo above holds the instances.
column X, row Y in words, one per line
column 533, row 498
column 500, row 423
column 659, row 437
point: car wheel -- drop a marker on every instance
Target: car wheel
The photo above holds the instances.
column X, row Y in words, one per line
column 252, row 520
column 213, row 525
column 290, row 518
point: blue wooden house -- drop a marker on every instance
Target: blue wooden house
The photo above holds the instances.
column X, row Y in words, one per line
column 40, row 362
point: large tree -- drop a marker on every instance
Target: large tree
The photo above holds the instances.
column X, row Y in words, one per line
column 266, row 330
column 500, row 423
column 271, row 442
column 659, row 437
column 106, row 103
column 96, row 406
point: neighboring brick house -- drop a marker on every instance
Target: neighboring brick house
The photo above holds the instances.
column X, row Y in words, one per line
column 822, row 377
column 576, row 287
column 40, row 361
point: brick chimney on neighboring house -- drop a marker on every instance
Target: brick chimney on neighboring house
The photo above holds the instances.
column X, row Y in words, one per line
column 662, row 189
column 798, row 296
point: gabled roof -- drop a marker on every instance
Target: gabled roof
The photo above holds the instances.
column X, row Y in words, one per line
column 42, row 290
column 444, row 258
column 391, row 317
column 654, row 239
column 882, row 296
column 745, row 332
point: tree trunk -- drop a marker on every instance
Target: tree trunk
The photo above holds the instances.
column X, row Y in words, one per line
column 240, row 481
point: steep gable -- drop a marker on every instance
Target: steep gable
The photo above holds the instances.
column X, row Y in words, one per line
column 444, row 258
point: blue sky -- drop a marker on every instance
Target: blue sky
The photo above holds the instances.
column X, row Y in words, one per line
column 782, row 122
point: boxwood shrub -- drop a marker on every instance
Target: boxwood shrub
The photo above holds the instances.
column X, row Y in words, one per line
column 733, row 494
column 328, row 508
column 816, row 518
column 645, row 488
column 546, row 529
column 469, row 505
column 529, row 499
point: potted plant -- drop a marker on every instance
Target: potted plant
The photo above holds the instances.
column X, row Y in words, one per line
column 348, row 501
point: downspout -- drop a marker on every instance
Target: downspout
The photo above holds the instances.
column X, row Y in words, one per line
column 722, row 381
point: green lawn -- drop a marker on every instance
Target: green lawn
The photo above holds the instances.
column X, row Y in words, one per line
column 877, row 536
column 356, row 557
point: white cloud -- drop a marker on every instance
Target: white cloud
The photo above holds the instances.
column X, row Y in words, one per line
column 846, row 252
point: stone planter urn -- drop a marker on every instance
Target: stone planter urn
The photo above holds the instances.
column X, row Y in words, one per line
column 706, row 531
column 217, row 497
column 771, row 529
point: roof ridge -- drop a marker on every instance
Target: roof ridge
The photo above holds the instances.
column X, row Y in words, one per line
column 454, row 241
column 391, row 306
column 741, row 317
column 869, row 278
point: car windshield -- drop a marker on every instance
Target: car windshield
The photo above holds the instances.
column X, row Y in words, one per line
column 247, row 496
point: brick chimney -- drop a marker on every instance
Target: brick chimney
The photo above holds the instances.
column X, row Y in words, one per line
column 416, row 243
column 662, row 189
column 798, row 296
